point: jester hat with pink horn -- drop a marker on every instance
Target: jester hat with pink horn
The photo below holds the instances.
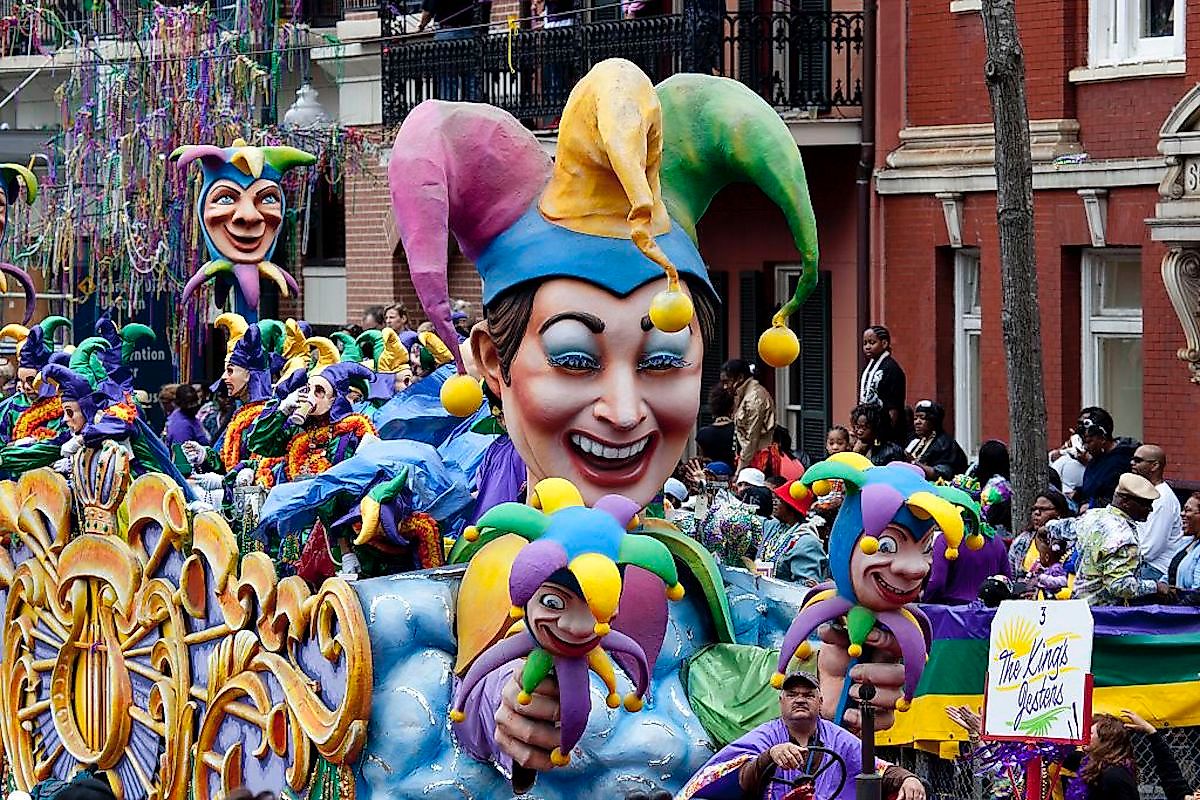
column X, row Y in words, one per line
column 636, row 168
column 582, row 549
column 243, row 165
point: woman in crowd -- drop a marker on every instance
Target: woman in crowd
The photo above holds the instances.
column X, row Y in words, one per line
column 932, row 449
column 882, row 383
column 1185, row 566
column 1050, row 504
column 871, row 426
column 716, row 440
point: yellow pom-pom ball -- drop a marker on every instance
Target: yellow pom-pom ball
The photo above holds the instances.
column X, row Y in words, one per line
column 675, row 592
column 671, row 311
column 516, row 612
column 456, row 715
column 822, row 488
column 602, row 628
column 613, row 700
column 777, row 680
column 804, row 651
column 869, row 545
column 778, row 346
column 471, row 533
column 854, row 650
column 903, row 704
column 799, row 491
column 462, row 395
column 558, row 759
column 951, row 553
column 633, row 703
column 975, row 542
column 524, row 697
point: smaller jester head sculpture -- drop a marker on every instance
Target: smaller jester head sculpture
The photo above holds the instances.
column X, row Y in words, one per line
column 13, row 177
column 880, row 556
column 565, row 588
column 242, row 208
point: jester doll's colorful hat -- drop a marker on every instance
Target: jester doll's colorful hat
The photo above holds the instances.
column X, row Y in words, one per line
column 636, row 167
column 388, row 357
column 122, row 342
column 877, row 497
column 245, row 349
column 341, row 377
column 36, row 344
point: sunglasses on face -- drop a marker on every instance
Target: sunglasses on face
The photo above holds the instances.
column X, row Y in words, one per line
column 1140, row 460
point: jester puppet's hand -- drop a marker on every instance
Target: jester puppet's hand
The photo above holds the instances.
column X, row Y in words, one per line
column 527, row 733
column 877, row 665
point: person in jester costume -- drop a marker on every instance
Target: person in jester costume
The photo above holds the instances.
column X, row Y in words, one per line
column 122, row 342
column 242, row 207
column 565, row 587
column 12, row 177
column 36, row 349
column 597, row 310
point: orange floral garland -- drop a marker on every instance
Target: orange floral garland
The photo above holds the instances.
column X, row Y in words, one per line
column 36, row 420
column 307, row 452
column 231, row 447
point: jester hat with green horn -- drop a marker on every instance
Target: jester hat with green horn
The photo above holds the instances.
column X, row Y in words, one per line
column 635, row 169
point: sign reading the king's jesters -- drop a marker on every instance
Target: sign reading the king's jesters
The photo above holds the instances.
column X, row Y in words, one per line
column 1039, row 684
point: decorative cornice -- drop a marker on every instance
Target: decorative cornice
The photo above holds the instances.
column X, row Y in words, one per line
column 975, row 143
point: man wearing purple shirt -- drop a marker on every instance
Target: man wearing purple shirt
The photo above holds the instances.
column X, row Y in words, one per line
column 776, row 753
column 182, row 425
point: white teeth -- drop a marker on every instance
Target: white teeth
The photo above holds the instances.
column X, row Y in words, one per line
column 595, row 448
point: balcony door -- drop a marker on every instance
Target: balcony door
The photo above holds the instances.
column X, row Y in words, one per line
column 802, row 392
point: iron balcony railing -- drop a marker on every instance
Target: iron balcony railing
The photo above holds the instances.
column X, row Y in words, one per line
column 797, row 60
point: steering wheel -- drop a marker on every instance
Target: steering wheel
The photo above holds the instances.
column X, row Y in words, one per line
column 803, row 785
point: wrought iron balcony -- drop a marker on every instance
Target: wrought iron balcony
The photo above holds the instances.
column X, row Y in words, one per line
column 796, row 60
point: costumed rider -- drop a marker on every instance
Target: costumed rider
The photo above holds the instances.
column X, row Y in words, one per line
column 383, row 352
column 35, row 350
column 312, row 428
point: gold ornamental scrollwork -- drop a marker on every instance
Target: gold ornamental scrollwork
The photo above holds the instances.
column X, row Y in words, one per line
column 136, row 640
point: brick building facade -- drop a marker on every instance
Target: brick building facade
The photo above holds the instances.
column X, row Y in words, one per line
column 1099, row 90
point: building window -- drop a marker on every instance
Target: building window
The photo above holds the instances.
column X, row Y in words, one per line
column 968, row 331
column 1129, row 31
column 1112, row 336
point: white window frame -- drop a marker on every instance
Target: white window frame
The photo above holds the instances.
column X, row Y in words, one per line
column 1096, row 327
column 325, row 294
column 1113, row 28
column 968, row 322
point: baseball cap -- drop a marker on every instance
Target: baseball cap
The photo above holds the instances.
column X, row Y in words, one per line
column 719, row 468
column 675, row 489
column 806, row 678
column 752, row 476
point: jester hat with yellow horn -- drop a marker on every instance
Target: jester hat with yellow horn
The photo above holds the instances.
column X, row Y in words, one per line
column 243, row 165
column 634, row 171
column 13, row 176
column 581, row 549
column 876, row 497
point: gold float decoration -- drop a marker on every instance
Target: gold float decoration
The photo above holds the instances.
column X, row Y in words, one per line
column 135, row 639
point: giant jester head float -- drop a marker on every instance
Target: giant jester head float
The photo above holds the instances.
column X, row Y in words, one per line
column 566, row 586
column 880, row 554
column 590, row 266
column 13, row 176
column 241, row 207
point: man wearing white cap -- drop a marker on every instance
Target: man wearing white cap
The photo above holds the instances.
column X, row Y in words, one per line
column 750, row 476
column 1107, row 543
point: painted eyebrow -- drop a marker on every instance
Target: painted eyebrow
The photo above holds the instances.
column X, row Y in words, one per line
column 589, row 321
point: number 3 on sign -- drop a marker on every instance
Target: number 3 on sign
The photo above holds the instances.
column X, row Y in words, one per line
column 1043, row 619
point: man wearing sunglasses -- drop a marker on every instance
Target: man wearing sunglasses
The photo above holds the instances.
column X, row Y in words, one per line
column 1107, row 458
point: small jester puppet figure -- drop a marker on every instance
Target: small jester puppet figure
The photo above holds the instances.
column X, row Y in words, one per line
column 36, row 349
column 122, row 342
column 12, row 176
column 880, row 554
column 566, row 587
column 242, row 208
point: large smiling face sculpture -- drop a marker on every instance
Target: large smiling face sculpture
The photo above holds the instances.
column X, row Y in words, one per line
column 242, row 207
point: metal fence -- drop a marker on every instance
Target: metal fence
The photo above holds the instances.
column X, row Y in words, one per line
column 801, row 60
column 956, row 780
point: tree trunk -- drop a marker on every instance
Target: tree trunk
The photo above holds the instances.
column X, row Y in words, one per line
column 1020, row 312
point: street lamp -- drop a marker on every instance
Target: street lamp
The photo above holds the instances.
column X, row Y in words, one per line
column 306, row 113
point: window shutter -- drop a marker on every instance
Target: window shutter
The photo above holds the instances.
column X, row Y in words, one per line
column 815, row 321
column 750, row 315
column 715, row 352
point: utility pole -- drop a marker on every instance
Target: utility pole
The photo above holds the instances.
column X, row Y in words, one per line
column 1020, row 314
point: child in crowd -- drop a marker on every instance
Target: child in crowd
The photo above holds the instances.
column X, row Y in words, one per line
column 837, row 440
column 1048, row 576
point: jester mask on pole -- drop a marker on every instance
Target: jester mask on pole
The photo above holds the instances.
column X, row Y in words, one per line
column 565, row 587
column 880, row 555
column 13, row 176
column 241, row 208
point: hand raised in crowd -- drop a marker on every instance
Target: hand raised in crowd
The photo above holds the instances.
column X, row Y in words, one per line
column 911, row 789
column 527, row 733
column 966, row 717
column 788, row 755
column 1135, row 723
column 693, row 474
column 878, row 666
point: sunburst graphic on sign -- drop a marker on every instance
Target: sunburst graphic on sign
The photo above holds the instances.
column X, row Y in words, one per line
column 1017, row 637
